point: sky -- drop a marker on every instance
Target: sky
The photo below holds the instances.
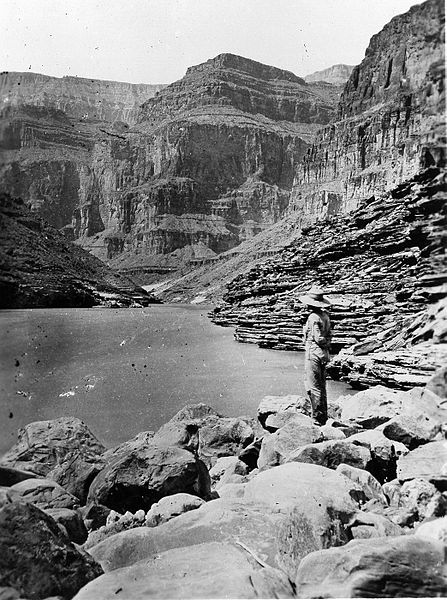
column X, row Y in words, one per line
column 155, row 41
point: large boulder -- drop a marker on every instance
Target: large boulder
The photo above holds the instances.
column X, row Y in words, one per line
column 139, row 473
column 374, row 406
column 212, row 570
column 288, row 512
column 45, row 493
column 278, row 409
column 36, row 558
column 332, row 453
column 410, row 430
column 203, row 430
column 423, row 499
column 222, row 520
column 428, row 461
column 63, row 449
column 297, row 432
column 170, row 507
column 317, row 503
column 404, row 566
column 228, row 469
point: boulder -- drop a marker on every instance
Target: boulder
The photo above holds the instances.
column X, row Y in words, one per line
column 171, row 506
column 297, row 432
column 222, row 520
column 422, row 498
column 63, row 449
column 332, row 453
column 138, row 474
column 274, row 405
column 201, row 429
column 384, row 453
column 404, row 566
column 369, row 484
column 36, row 558
column 45, row 493
column 438, row 383
column 288, row 512
column 434, row 530
column 374, row 406
column 428, row 461
column 225, row 468
column 366, row 525
column 317, row 503
column 211, row 570
column 409, row 430
column 329, row 432
column 71, row 523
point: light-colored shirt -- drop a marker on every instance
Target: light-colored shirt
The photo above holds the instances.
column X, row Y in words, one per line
column 317, row 335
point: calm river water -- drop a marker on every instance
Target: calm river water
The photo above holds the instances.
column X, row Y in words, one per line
column 130, row 370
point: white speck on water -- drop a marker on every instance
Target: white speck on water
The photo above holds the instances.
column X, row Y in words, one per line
column 66, row 394
column 123, row 342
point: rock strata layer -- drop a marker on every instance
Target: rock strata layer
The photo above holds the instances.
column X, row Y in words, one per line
column 380, row 265
column 210, row 162
column 390, row 117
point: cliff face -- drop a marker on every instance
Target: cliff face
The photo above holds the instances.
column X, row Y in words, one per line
column 78, row 97
column 337, row 75
column 389, row 122
column 210, row 161
column 39, row 268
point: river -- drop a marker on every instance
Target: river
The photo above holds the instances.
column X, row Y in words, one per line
column 129, row 370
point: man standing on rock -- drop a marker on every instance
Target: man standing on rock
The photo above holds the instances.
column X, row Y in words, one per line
column 317, row 339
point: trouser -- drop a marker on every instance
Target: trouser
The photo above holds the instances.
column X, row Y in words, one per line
column 315, row 384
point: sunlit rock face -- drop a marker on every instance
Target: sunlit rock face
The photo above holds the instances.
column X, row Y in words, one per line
column 208, row 160
column 78, row 97
column 337, row 75
column 389, row 122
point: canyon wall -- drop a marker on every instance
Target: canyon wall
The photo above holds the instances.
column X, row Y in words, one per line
column 78, row 97
column 390, row 119
column 337, row 75
column 209, row 162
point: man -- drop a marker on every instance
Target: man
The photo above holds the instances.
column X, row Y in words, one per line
column 317, row 339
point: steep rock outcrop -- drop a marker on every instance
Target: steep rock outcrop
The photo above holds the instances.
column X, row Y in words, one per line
column 389, row 121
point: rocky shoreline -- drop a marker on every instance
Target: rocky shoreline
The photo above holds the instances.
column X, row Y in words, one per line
column 239, row 507
column 382, row 266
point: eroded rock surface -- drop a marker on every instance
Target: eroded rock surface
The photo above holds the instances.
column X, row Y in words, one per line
column 63, row 449
column 382, row 567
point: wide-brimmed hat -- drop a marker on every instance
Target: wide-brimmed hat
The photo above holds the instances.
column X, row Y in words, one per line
column 315, row 297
